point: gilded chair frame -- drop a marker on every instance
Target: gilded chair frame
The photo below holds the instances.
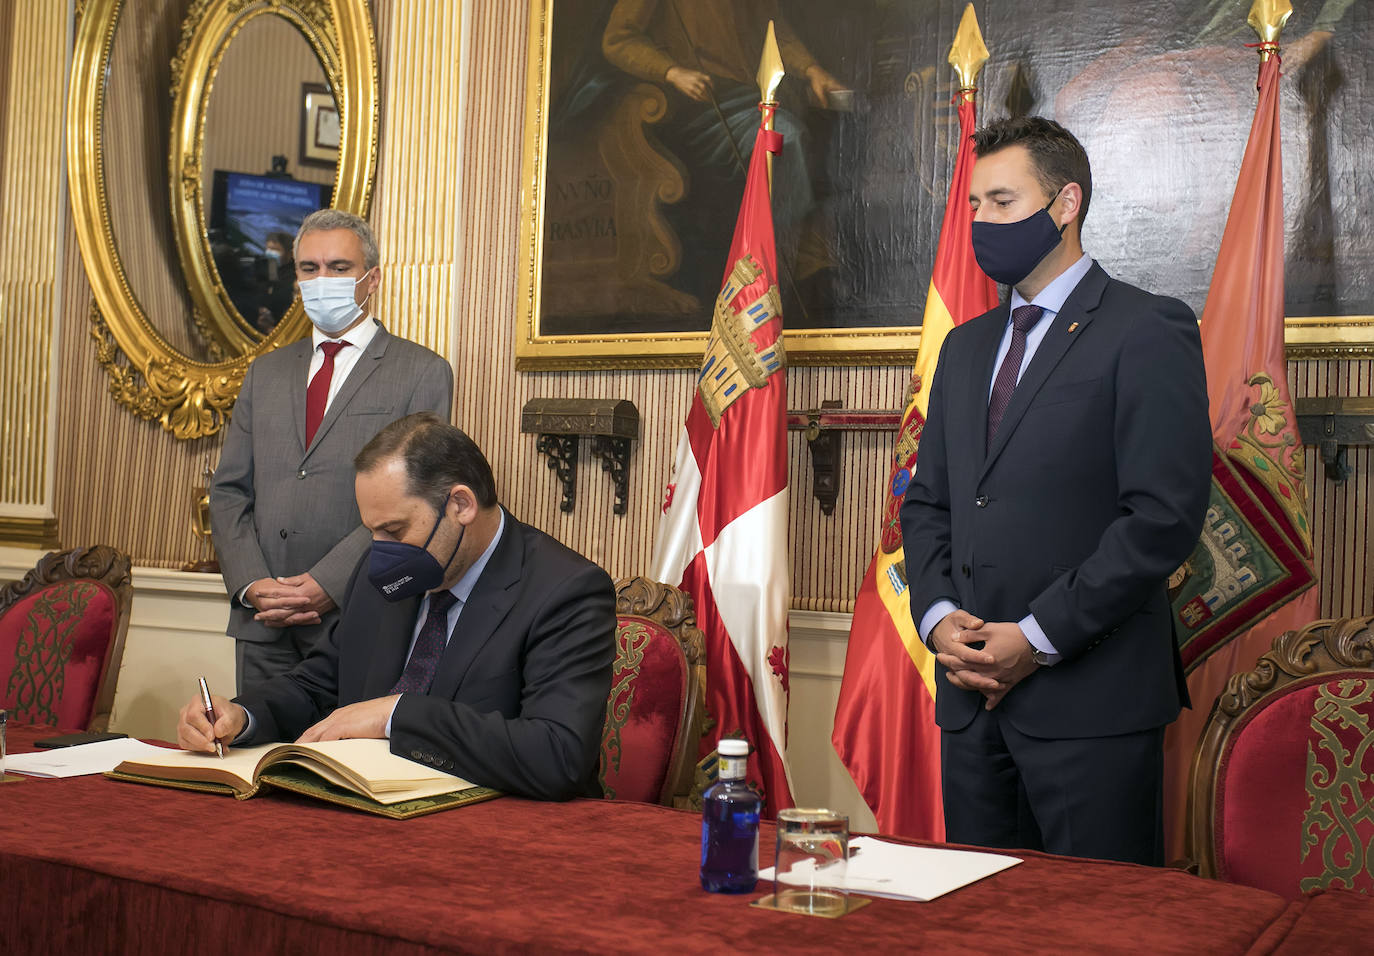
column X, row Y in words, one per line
column 103, row 565
column 1321, row 647
column 152, row 379
column 673, row 609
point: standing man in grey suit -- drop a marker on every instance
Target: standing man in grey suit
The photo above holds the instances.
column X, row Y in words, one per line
column 286, row 524
column 1063, row 476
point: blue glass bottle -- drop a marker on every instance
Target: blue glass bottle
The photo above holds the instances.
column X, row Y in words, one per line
column 730, row 824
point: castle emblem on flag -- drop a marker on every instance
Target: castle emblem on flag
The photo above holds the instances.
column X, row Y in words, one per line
column 745, row 347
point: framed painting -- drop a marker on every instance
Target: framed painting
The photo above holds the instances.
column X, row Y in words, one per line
column 639, row 119
column 319, row 126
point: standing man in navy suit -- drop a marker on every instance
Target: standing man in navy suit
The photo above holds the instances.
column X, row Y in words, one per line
column 287, row 529
column 468, row 639
column 1063, row 476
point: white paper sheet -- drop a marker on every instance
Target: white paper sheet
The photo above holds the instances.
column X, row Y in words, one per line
column 81, row 760
column 900, row 872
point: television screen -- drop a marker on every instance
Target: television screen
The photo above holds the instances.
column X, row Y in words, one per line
column 244, row 208
column 253, row 220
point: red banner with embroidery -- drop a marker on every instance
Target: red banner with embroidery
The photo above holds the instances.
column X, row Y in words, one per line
column 1250, row 577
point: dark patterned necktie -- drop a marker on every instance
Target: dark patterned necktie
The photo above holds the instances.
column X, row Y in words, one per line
column 1023, row 319
column 429, row 646
column 317, row 394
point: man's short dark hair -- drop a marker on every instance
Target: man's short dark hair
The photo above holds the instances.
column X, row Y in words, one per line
column 436, row 456
column 1056, row 155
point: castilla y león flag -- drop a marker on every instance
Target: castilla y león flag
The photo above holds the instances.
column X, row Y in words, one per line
column 723, row 535
column 885, row 731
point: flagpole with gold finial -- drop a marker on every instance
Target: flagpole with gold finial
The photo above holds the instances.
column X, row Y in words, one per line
column 1267, row 19
column 968, row 54
column 769, row 77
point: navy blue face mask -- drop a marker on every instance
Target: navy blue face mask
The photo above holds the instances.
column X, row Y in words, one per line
column 401, row 570
column 1007, row 252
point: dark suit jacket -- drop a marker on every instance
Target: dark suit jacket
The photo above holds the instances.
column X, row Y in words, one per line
column 519, row 697
column 280, row 507
column 1092, row 493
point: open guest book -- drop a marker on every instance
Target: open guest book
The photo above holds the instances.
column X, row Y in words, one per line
column 363, row 774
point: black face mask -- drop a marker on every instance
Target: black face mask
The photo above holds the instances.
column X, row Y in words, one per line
column 1007, row 252
column 401, row 570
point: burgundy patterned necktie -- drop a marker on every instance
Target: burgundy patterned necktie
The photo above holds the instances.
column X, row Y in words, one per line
column 317, row 394
column 1023, row 319
column 429, row 646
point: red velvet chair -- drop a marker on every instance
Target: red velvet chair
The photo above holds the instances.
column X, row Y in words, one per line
column 62, row 630
column 1282, row 789
column 656, row 708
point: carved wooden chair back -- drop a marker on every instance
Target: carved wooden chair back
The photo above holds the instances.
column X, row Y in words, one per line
column 656, row 708
column 62, row 629
column 1281, row 794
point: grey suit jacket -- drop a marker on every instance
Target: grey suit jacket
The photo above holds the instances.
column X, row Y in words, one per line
column 278, row 507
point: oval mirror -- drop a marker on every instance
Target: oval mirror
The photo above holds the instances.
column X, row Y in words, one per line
column 158, row 347
column 254, row 151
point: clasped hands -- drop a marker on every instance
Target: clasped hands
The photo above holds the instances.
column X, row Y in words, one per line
column 288, row 602
column 367, row 718
column 1003, row 662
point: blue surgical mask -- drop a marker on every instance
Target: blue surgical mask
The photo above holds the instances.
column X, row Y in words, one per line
column 330, row 303
column 1007, row 252
column 399, row 570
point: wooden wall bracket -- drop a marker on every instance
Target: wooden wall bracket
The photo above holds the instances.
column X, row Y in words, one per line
column 824, row 427
column 1333, row 425
column 561, row 423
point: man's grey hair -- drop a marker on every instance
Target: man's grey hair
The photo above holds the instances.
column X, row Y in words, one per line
column 323, row 220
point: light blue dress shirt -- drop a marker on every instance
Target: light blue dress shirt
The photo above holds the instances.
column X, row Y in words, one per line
column 1051, row 300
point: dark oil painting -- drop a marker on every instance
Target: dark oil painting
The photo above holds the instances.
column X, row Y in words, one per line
column 652, row 108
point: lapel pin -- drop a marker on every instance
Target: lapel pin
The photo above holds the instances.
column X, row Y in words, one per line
column 1073, row 327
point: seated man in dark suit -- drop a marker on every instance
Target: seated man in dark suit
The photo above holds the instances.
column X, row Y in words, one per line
column 474, row 642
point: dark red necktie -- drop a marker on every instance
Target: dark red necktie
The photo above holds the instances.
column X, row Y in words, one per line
column 429, row 646
column 317, row 395
column 1023, row 319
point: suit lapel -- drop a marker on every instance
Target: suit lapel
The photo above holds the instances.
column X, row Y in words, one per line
column 300, row 372
column 395, row 627
column 1077, row 313
column 365, row 367
column 487, row 606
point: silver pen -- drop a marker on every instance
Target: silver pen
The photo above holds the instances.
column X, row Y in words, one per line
column 210, row 714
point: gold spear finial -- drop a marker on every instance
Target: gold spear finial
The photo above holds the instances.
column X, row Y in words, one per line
column 771, row 71
column 968, row 54
column 1267, row 18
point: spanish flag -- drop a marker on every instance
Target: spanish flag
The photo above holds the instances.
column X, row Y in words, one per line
column 885, row 731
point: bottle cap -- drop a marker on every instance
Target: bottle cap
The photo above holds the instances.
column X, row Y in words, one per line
column 733, row 747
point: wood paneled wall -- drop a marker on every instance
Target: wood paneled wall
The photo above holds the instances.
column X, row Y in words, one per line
column 447, row 210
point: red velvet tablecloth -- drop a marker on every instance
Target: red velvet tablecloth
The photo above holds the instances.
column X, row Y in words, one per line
column 91, row 865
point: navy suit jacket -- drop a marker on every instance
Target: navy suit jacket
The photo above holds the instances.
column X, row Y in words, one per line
column 1092, row 493
column 519, row 697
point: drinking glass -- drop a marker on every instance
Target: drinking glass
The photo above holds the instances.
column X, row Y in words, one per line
column 812, row 857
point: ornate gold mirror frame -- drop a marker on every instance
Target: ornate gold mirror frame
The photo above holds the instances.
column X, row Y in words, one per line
column 208, row 30
column 152, row 379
